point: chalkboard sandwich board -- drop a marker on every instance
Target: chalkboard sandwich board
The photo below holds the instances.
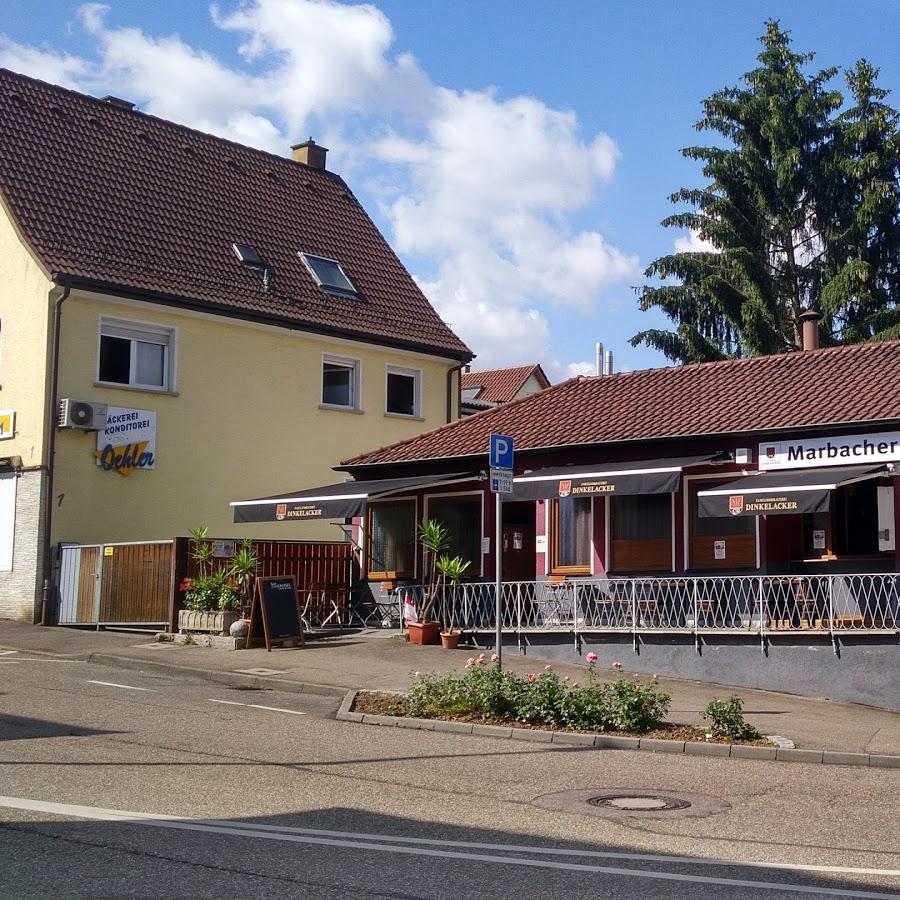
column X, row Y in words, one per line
column 275, row 614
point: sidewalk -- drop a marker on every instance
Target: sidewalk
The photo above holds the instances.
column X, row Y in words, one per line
column 376, row 659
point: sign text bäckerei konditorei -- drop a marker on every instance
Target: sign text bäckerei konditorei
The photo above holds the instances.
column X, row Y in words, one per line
column 844, row 450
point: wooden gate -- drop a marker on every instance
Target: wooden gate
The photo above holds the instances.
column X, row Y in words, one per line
column 116, row 584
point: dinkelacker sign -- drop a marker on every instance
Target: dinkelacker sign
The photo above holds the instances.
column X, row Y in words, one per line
column 854, row 449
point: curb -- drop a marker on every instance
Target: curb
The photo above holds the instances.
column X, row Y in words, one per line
column 784, row 752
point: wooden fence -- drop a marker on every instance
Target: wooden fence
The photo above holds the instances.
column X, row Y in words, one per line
column 139, row 584
column 315, row 565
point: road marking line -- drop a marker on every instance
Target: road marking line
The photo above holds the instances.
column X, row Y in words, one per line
column 8, row 652
column 10, row 662
column 127, row 687
column 232, row 829
column 293, row 712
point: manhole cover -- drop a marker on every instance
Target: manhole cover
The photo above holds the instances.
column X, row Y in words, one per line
column 262, row 672
column 640, row 802
column 628, row 803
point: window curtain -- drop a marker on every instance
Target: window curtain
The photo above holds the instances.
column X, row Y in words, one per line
column 392, row 538
column 642, row 517
column 462, row 518
column 574, row 531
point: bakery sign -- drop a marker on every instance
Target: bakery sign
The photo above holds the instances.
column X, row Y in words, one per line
column 128, row 442
column 846, row 450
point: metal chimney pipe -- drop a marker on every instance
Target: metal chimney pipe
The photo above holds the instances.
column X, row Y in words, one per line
column 598, row 358
column 609, row 362
column 809, row 325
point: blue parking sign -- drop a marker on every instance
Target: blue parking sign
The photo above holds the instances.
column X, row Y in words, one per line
column 501, row 451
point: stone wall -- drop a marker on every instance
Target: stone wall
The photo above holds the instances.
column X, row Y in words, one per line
column 20, row 589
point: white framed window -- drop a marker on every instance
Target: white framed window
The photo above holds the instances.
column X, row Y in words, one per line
column 403, row 391
column 135, row 354
column 340, row 382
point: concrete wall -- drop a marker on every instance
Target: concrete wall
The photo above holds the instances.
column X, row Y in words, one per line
column 243, row 421
column 865, row 671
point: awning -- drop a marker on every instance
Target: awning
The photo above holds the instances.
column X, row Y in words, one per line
column 657, row 476
column 779, row 493
column 332, row 501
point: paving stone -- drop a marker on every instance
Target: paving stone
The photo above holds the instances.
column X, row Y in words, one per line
column 498, row 731
column 350, row 717
column 531, row 734
column 570, row 737
column 455, row 727
column 752, row 751
column 662, row 746
column 698, row 748
column 615, row 742
column 808, row 756
column 838, row 758
column 379, row 720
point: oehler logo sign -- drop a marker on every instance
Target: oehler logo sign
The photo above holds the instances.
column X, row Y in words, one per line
column 854, row 449
column 128, row 442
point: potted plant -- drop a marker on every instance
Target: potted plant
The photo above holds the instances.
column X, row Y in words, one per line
column 452, row 569
column 244, row 565
column 212, row 596
column 435, row 539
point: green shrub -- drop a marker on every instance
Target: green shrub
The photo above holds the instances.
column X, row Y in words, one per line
column 726, row 719
column 543, row 698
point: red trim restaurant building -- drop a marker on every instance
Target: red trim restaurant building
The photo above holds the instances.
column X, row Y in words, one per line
column 780, row 467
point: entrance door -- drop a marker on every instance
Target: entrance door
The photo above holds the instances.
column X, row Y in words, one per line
column 518, row 541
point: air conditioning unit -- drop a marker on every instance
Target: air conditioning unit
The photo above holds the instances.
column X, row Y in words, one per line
column 82, row 414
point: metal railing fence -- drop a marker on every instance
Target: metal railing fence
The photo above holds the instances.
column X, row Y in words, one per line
column 735, row 604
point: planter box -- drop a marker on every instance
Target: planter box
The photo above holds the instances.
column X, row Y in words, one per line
column 424, row 632
column 207, row 622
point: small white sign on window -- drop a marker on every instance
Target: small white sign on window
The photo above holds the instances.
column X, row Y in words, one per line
column 540, row 543
column 719, row 549
column 223, row 548
column 485, row 545
column 818, row 539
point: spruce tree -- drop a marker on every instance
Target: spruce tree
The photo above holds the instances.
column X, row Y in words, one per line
column 800, row 209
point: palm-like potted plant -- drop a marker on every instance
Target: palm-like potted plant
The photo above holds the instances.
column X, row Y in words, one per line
column 451, row 569
column 212, row 596
column 434, row 539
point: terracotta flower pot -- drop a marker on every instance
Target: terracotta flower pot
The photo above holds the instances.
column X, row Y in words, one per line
column 424, row 632
column 450, row 639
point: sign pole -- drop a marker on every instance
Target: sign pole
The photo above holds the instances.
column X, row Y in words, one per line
column 500, row 457
column 498, row 611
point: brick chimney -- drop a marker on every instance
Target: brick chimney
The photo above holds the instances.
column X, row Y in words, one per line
column 809, row 324
column 309, row 153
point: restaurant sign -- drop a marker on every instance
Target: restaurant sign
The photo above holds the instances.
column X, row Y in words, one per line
column 854, row 449
column 128, row 442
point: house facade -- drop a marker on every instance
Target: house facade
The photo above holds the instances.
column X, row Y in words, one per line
column 184, row 319
column 490, row 387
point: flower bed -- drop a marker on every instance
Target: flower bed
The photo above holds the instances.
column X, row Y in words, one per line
column 487, row 694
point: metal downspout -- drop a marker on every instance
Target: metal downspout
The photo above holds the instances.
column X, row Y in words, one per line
column 458, row 392
column 50, row 441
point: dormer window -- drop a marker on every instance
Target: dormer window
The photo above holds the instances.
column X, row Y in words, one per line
column 329, row 274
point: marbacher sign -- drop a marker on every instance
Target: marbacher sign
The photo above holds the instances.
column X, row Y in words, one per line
column 845, row 450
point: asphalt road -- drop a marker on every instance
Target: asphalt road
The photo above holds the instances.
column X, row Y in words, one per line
column 124, row 784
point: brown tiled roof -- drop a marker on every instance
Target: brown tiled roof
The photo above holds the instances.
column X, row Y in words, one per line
column 119, row 199
column 837, row 385
column 501, row 385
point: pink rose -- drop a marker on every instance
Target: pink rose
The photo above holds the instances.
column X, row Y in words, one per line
column 494, row 657
column 547, row 668
column 532, row 677
column 591, row 657
column 617, row 665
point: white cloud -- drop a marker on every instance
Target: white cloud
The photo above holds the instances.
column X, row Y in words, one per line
column 693, row 243
column 481, row 190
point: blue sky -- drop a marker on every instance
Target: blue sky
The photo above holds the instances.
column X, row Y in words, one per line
column 517, row 156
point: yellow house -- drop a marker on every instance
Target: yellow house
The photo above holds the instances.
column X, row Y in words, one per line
column 185, row 320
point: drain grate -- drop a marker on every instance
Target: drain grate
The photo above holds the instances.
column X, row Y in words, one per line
column 640, row 802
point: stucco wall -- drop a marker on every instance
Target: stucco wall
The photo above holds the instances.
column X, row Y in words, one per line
column 244, row 421
column 24, row 315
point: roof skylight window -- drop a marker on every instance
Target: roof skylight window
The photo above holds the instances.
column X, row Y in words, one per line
column 328, row 274
column 247, row 256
